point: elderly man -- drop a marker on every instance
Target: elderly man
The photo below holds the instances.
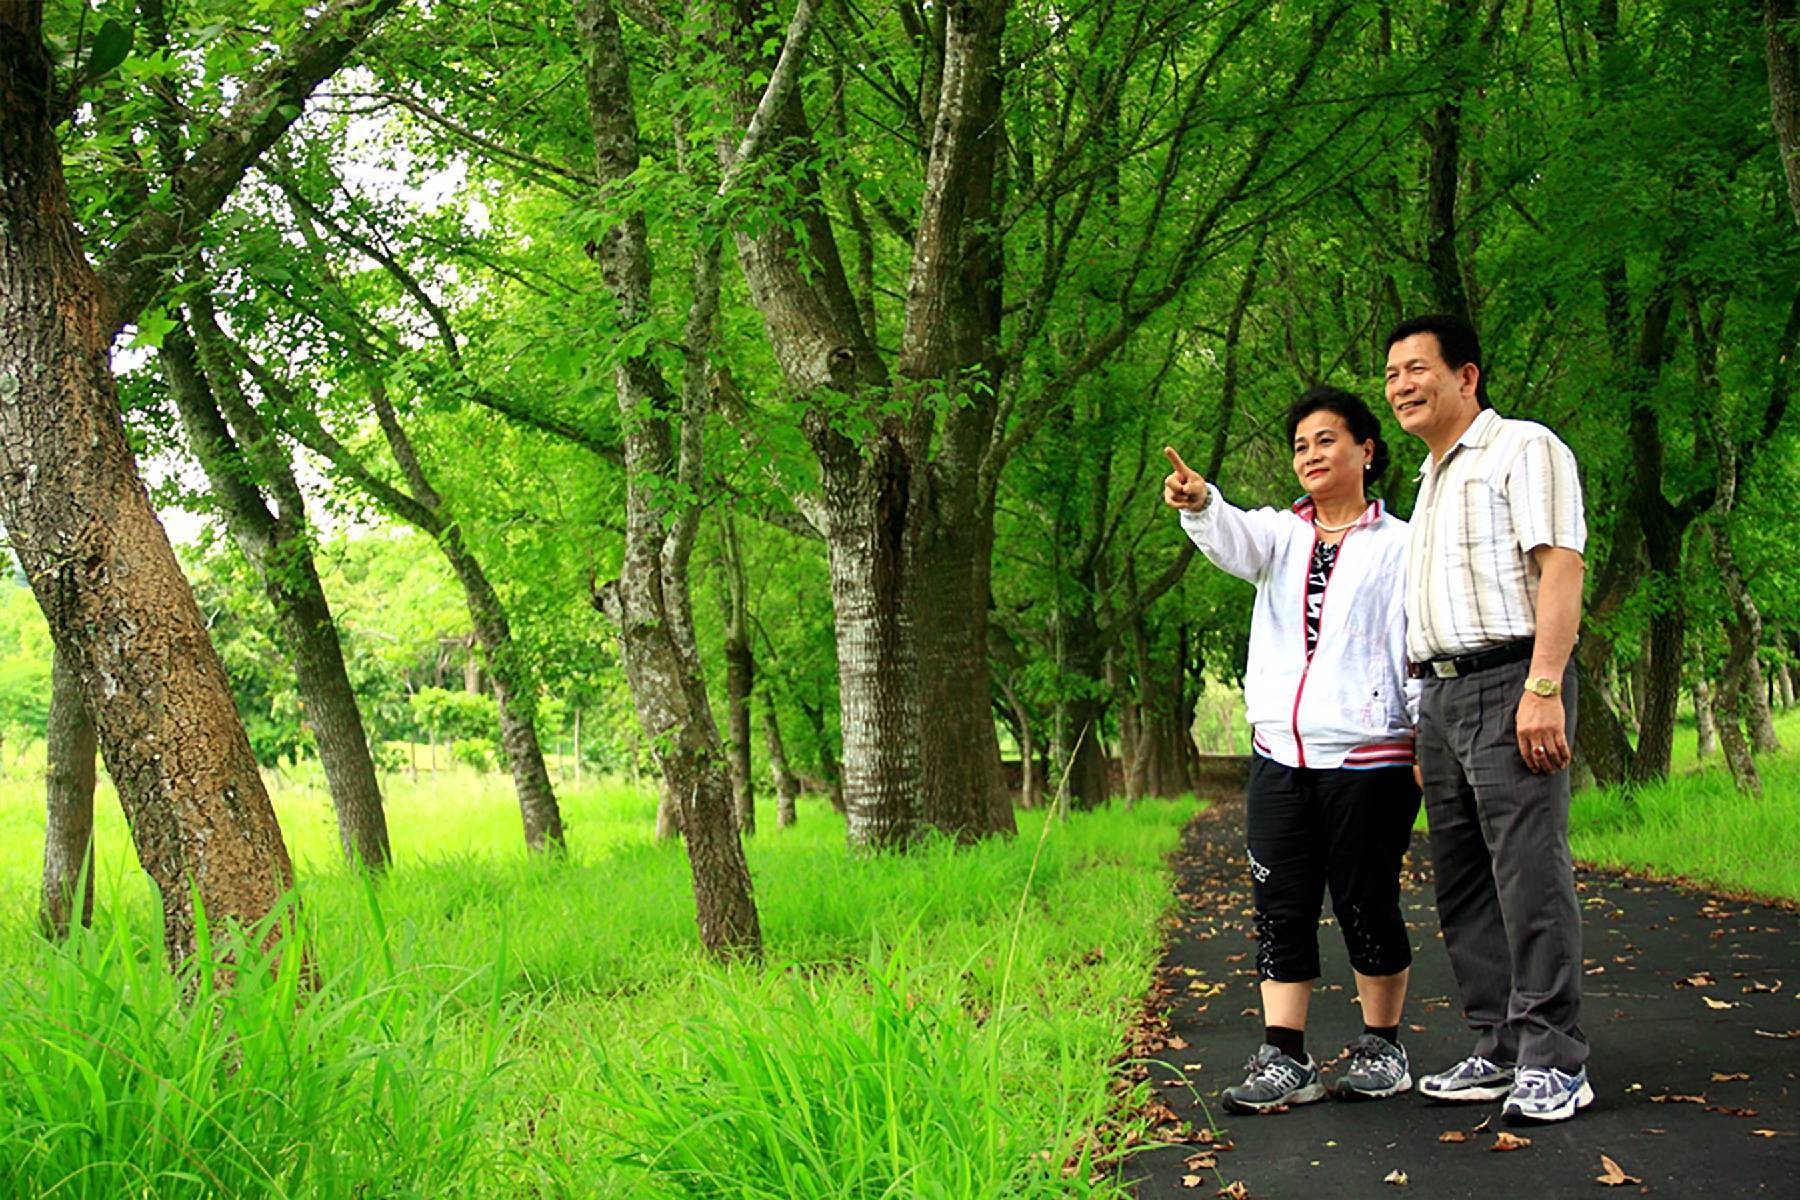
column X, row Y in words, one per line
column 1494, row 575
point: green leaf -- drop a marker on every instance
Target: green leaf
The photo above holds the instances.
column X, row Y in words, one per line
column 152, row 326
column 112, row 45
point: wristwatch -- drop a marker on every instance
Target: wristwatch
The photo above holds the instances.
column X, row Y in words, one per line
column 1543, row 685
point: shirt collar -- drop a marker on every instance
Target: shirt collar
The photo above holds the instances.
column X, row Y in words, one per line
column 1480, row 432
column 1304, row 507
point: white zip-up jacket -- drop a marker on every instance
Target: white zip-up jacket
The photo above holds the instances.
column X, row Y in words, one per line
column 1351, row 705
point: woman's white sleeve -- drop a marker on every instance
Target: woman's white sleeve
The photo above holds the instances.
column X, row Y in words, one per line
column 1240, row 542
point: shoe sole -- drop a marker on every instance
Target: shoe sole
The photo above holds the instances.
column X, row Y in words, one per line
column 1518, row 1116
column 1467, row 1095
column 1305, row 1095
column 1345, row 1092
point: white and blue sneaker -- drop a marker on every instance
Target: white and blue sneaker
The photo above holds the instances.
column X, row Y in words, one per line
column 1474, row 1078
column 1547, row 1094
column 1274, row 1081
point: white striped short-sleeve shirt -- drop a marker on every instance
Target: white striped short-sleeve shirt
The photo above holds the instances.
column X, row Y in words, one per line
column 1505, row 488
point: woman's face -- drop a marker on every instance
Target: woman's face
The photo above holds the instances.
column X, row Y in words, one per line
column 1328, row 461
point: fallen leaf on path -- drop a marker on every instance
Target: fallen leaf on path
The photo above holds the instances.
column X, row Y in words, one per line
column 1397, row 1178
column 1416, row 1028
column 1722, row 1077
column 1485, row 1122
column 1509, row 1141
column 1756, row 985
column 1191, row 1181
column 1763, row 1133
column 1595, row 971
column 1711, row 1003
column 1784, row 1034
column 1200, row 1162
column 1176, row 1043
column 1453, row 1135
column 1677, row 1099
column 1614, row 1177
column 1235, row 1190
column 1698, row 980
column 1731, row 1112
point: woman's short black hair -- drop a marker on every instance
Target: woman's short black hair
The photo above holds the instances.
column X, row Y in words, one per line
column 1357, row 417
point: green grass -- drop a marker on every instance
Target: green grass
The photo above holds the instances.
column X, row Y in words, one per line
column 485, row 1025
column 1695, row 824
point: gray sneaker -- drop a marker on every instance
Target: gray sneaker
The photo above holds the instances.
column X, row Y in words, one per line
column 1474, row 1078
column 1275, row 1080
column 1547, row 1094
column 1377, row 1069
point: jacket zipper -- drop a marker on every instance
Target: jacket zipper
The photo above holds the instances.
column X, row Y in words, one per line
column 1305, row 581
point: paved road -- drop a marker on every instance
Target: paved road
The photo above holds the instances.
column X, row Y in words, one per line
column 1687, row 995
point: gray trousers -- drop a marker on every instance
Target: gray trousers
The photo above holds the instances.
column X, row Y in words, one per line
column 1505, row 879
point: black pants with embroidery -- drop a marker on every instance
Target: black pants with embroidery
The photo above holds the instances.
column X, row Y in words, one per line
column 1344, row 830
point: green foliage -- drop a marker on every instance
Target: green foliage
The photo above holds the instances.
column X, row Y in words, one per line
column 122, row 1078
column 442, row 1052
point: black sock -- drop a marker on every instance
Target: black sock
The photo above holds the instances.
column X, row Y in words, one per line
column 1291, row 1042
column 1390, row 1033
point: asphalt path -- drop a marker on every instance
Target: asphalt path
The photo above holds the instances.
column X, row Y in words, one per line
column 1691, row 1003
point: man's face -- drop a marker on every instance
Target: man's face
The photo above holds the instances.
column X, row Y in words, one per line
column 1427, row 395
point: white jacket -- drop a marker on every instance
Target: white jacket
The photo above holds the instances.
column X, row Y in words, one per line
column 1352, row 705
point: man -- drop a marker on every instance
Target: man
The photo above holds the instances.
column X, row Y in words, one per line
column 1494, row 575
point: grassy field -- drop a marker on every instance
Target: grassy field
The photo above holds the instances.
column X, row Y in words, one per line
column 1696, row 825
column 937, row 1025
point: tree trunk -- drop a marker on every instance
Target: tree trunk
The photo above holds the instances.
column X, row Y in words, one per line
column 650, row 600
column 1705, row 731
column 965, row 794
column 98, row 560
column 69, row 749
column 1727, row 718
column 878, row 696
column 1784, row 91
column 740, row 679
column 828, row 763
column 278, row 545
column 1760, row 716
column 1784, row 681
column 514, row 697
column 787, row 787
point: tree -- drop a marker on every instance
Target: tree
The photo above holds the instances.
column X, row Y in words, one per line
column 97, row 558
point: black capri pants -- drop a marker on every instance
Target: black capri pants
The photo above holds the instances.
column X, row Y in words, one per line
column 1346, row 829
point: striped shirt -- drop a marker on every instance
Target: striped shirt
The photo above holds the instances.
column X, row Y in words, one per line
column 1505, row 488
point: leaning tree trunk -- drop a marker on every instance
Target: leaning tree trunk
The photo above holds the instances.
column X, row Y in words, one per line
column 832, row 773
column 514, row 696
column 99, row 562
column 69, row 749
column 278, row 546
column 1761, row 716
column 649, row 601
column 787, row 787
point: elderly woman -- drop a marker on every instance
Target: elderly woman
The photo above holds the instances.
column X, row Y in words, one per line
column 1332, row 793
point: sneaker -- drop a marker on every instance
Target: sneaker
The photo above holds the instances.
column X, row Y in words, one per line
column 1377, row 1069
column 1547, row 1094
column 1474, row 1078
column 1275, row 1080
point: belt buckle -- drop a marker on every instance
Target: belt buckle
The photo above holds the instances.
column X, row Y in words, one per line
column 1443, row 668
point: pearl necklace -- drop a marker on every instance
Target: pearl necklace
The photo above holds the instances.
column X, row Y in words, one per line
column 1322, row 527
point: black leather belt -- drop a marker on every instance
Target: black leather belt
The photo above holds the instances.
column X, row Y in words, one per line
column 1468, row 664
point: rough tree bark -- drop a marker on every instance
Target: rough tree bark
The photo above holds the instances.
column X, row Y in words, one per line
column 277, row 542
column 69, row 749
column 663, row 671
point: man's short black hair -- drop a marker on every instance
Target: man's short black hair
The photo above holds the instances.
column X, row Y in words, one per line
column 1457, row 342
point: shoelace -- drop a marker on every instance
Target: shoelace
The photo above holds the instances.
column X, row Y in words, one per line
column 1535, row 1079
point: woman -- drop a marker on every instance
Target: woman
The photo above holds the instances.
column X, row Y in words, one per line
column 1332, row 794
